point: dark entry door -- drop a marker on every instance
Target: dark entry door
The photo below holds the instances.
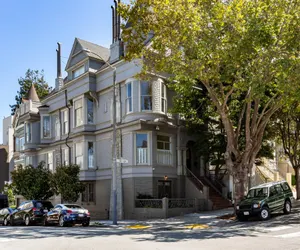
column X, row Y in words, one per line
column 164, row 189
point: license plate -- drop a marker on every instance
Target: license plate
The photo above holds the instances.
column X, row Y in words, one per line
column 80, row 215
column 45, row 211
column 246, row 213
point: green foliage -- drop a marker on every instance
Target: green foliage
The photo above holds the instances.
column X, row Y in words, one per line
column 31, row 77
column 9, row 191
column 33, row 183
column 67, row 183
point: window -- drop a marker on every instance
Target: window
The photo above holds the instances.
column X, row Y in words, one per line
column 164, row 153
column 27, row 160
column 50, row 161
column 22, row 141
column 129, row 97
column 57, row 126
column 78, row 72
column 64, row 117
column 28, row 132
column 285, row 186
column 17, row 144
column 146, row 96
column 78, row 113
column 46, row 126
column 89, row 193
column 90, row 111
column 65, row 156
column 163, row 95
column 90, row 155
column 79, row 154
column 141, row 148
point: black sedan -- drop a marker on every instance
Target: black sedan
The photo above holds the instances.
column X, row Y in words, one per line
column 68, row 214
column 5, row 216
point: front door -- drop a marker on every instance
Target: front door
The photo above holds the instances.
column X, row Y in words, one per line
column 164, row 189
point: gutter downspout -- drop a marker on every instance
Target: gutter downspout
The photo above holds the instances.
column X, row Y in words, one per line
column 69, row 125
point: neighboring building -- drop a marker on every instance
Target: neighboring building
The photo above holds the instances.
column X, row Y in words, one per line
column 73, row 124
column 8, row 140
column 3, row 166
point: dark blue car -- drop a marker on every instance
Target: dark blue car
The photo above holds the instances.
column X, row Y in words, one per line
column 68, row 214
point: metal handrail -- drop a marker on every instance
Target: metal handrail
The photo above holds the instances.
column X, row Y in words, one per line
column 195, row 178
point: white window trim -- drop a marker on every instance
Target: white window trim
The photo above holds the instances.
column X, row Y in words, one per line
column 140, row 98
column 82, row 167
column 62, row 121
column 170, row 150
column 57, row 118
column 65, row 156
column 149, row 148
column 27, row 132
column 42, row 127
column 83, row 111
column 130, row 80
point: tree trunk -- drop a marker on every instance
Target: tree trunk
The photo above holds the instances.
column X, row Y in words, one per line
column 240, row 182
column 297, row 172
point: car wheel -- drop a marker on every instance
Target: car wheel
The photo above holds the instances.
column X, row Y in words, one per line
column 11, row 221
column 85, row 224
column 287, row 207
column 61, row 221
column 5, row 222
column 264, row 213
column 27, row 220
column 242, row 218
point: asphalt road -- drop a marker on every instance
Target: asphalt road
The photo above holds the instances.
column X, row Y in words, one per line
column 280, row 232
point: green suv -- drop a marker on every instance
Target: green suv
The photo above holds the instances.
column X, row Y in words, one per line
column 265, row 199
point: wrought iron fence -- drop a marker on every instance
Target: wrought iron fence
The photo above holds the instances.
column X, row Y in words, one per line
column 148, row 203
column 181, row 203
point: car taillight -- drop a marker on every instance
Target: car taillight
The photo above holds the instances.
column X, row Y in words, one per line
column 69, row 211
column 88, row 213
column 34, row 209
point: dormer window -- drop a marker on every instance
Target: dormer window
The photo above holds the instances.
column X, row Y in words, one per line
column 79, row 71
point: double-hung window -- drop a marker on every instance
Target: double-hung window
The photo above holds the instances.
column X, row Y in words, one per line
column 90, row 111
column 64, row 117
column 78, row 112
column 163, row 96
column 146, row 95
column 46, row 122
column 129, row 97
column 90, row 155
column 57, row 127
column 164, row 153
column 28, row 132
column 50, row 161
column 142, row 148
column 89, row 193
column 79, row 71
column 79, row 154
column 65, row 156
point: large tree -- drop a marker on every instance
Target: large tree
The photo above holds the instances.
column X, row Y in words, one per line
column 287, row 123
column 31, row 77
column 33, row 183
column 67, row 183
column 244, row 52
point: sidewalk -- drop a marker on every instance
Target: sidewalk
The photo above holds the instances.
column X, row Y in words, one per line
column 195, row 220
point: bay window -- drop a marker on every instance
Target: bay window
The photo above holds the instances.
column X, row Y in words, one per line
column 90, row 155
column 57, row 127
column 129, row 97
column 146, row 95
column 79, row 154
column 90, row 111
column 28, row 132
column 164, row 153
column 142, row 148
column 46, row 126
column 78, row 112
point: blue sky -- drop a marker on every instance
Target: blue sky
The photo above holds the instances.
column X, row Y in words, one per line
column 30, row 30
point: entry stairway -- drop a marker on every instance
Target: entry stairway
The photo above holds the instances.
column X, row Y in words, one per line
column 214, row 195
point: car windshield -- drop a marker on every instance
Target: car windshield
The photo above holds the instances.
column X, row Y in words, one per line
column 43, row 204
column 72, row 206
column 257, row 192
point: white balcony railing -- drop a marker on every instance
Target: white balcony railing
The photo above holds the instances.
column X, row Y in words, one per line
column 164, row 157
column 142, row 156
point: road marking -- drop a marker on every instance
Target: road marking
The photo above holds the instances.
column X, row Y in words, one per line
column 290, row 235
column 271, row 229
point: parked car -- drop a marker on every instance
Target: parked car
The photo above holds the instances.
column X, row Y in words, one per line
column 30, row 212
column 68, row 214
column 265, row 199
column 5, row 215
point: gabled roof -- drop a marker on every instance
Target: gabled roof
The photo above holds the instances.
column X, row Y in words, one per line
column 80, row 45
column 32, row 95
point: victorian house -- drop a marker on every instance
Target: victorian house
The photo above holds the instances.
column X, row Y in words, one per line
column 74, row 124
